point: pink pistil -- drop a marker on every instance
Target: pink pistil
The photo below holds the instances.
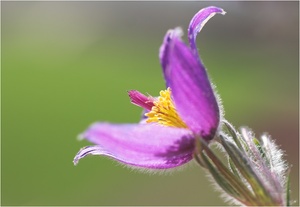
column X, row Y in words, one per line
column 141, row 100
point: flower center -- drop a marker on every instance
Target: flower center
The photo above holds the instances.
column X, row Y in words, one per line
column 164, row 112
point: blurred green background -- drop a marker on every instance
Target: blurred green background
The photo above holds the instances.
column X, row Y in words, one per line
column 66, row 65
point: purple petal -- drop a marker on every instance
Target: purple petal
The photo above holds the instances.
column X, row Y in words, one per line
column 197, row 23
column 164, row 48
column 191, row 90
column 143, row 145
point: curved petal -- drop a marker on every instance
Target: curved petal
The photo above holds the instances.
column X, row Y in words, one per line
column 197, row 23
column 191, row 90
column 142, row 145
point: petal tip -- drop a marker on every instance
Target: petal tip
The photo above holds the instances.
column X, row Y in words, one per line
column 80, row 136
column 199, row 20
column 223, row 12
column 75, row 161
column 176, row 32
column 88, row 150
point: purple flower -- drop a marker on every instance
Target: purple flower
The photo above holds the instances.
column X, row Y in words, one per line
column 186, row 110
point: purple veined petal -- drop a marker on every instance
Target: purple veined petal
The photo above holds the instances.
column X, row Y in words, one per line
column 197, row 23
column 163, row 50
column 191, row 90
column 142, row 145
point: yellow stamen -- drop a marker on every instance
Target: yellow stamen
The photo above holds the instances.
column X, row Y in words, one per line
column 164, row 112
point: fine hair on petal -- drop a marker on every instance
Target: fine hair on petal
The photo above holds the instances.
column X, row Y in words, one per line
column 149, row 171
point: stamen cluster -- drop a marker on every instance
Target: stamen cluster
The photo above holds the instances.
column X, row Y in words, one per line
column 164, row 111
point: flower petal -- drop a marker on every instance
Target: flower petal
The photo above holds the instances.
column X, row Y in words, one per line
column 142, row 145
column 192, row 92
column 197, row 23
column 164, row 48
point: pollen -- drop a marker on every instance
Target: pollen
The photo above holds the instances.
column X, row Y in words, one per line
column 164, row 111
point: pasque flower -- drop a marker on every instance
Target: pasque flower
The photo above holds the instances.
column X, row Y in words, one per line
column 180, row 124
column 187, row 110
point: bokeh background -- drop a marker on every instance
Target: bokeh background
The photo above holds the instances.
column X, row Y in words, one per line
column 66, row 65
